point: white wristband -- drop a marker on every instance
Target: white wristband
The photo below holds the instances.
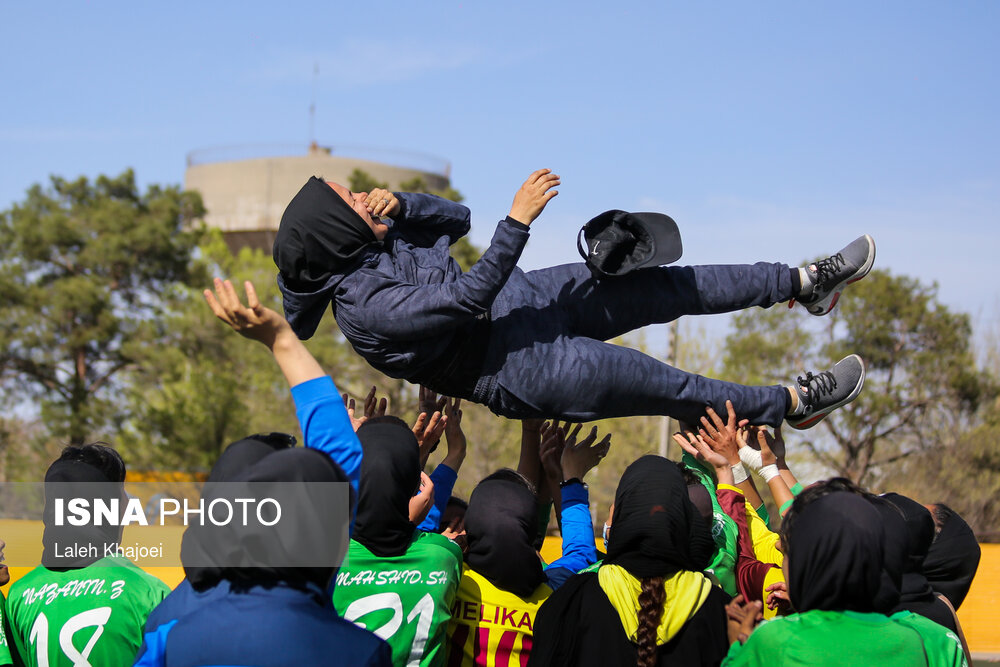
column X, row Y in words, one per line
column 739, row 473
column 769, row 472
column 751, row 458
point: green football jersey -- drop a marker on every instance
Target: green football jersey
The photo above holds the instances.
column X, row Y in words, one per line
column 724, row 531
column 942, row 646
column 5, row 658
column 87, row 616
column 406, row 600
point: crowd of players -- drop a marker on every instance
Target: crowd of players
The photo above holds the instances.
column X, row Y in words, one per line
column 692, row 571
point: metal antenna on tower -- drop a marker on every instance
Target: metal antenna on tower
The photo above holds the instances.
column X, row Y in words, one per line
column 312, row 109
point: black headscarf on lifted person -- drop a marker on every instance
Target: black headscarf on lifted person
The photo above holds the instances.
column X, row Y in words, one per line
column 319, row 235
column 390, row 474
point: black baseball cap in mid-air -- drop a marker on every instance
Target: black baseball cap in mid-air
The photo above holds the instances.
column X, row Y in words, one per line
column 617, row 242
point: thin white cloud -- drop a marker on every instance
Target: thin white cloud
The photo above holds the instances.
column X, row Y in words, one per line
column 369, row 62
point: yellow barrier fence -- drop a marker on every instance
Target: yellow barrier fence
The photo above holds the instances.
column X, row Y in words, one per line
column 980, row 613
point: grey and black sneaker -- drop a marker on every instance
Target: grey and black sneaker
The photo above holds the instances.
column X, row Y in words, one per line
column 830, row 276
column 821, row 394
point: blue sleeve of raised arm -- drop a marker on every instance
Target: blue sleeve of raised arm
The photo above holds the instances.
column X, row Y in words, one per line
column 423, row 219
column 155, row 645
column 326, row 426
column 578, row 547
column 444, row 479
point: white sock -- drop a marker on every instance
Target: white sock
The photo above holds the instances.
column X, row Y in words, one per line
column 800, row 405
column 805, row 279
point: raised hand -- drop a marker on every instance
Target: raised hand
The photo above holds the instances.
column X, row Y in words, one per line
column 428, row 430
column 453, row 411
column 765, row 442
column 696, row 446
column 254, row 321
column 551, row 449
column 420, row 504
column 721, row 436
column 579, row 459
column 428, row 401
column 454, row 435
column 351, row 406
column 375, row 407
column 534, row 194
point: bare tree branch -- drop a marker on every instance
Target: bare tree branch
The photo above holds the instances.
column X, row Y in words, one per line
column 99, row 382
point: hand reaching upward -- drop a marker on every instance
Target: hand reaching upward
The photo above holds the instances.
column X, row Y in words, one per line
column 534, row 194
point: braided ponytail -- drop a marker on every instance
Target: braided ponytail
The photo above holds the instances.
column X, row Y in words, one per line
column 651, row 599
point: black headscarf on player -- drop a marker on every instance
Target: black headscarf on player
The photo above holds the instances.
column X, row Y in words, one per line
column 390, row 475
column 66, row 479
column 919, row 535
column 656, row 529
column 304, row 529
column 911, row 532
column 500, row 526
column 234, row 460
column 894, row 555
column 834, row 551
column 242, row 454
column 953, row 558
column 319, row 235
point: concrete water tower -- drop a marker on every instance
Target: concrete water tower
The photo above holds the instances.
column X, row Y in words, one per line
column 246, row 188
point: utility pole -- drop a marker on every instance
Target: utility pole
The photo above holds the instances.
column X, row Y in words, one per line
column 312, row 109
column 668, row 425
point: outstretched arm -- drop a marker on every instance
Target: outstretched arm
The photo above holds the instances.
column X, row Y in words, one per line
column 446, row 473
column 578, row 548
column 750, row 572
column 319, row 407
column 724, row 438
column 765, row 462
column 258, row 322
column 431, row 422
column 410, row 311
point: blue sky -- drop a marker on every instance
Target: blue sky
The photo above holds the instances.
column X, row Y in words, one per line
column 773, row 131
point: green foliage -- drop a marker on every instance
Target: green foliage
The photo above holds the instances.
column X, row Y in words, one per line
column 418, row 184
column 922, row 378
column 361, row 181
column 83, row 267
column 195, row 395
column 961, row 470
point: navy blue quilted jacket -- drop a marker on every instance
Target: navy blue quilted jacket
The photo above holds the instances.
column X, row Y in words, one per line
column 402, row 302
